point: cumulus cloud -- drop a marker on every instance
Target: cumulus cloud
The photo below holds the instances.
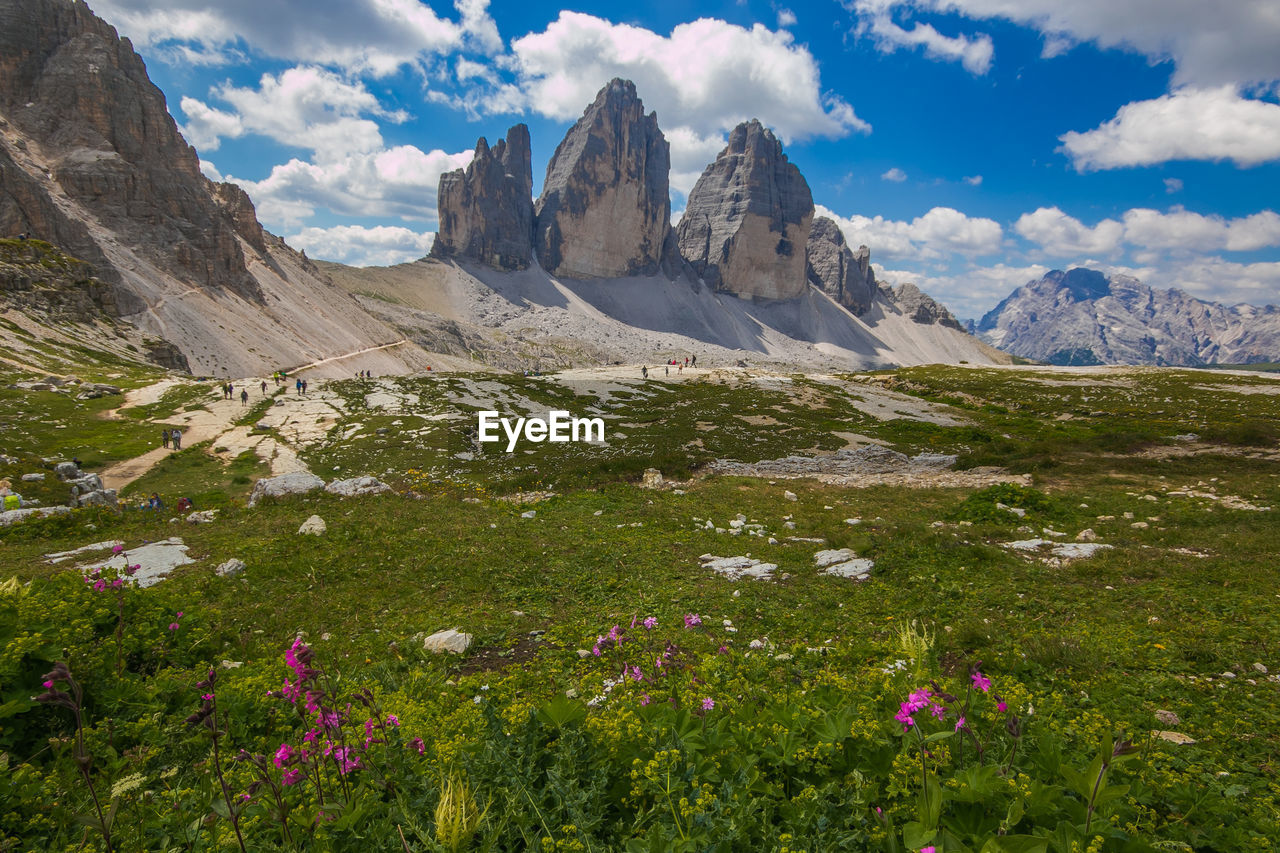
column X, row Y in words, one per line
column 304, row 107
column 1177, row 230
column 381, row 245
column 1188, row 124
column 703, row 78
column 1062, row 235
column 400, row 181
column 786, row 18
column 1172, row 185
column 1210, row 44
column 973, row 180
column 370, row 36
column 939, row 234
column 875, row 18
column 972, row 292
column 895, row 174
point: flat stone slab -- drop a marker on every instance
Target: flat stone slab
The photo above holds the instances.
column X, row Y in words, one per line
column 1064, row 550
column 62, row 556
column 450, row 641
column 832, row 556
column 294, row 483
column 14, row 516
column 157, row 560
column 859, row 569
column 357, row 486
column 736, row 568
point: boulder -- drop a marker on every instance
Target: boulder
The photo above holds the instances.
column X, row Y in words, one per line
column 451, row 641
column 230, row 568
column 98, row 497
column 32, row 478
column 313, row 526
column 652, row 479
column 747, row 220
column 357, row 486
column 67, row 471
column 14, row 516
column 486, row 211
column 832, row 267
column 294, row 483
column 605, row 208
column 202, row 517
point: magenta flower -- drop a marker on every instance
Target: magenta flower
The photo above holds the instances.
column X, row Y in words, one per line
column 645, row 699
column 918, row 700
column 100, row 586
column 904, row 716
column 48, row 685
column 173, row 626
column 292, row 777
column 980, row 681
column 117, row 583
column 960, row 724
column 636, row 673
column 708, row 703
column 283, row 755
column 937, row 711
column 181, row 614
column 650, row 623
column 418, row 744
column 393, row 720
column 131, row 570
column 929, row 849
column 1001, row 706
column 692, row 620
column 116, row 549
column 595, row 650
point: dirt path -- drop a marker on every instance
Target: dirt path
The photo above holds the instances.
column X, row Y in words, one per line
column 295, row 370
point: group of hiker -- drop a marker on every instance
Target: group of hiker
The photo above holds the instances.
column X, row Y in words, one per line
column 171, row 438
column 689, row 361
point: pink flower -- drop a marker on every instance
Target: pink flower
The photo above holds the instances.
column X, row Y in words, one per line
column 292, row 777
column 980, row 681
column 613, row 633
column 208, row 697
column 960, row 724
column 100, row 586
column 393, row 720
column 368, row 727
column 283, row 755
column 636, row 673
column 929, row 849
column 595, row 650
column 938, row 711
column 418, row 744
column 692, row 620
column 48, row 685
column 245, row 797
column 708, row 703
column 904, row 716
column 650, row 623
column 919, row 699
column 181, row 614
column 644, row 699
column 173, row 626
column 117, row 583
column 1001, row 706
column 116, row 549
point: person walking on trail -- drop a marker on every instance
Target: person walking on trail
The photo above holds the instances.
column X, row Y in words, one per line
column 244, row 396
column 176, row 438
column 304, row 386
column 644, row 371
column 297, row 385
column 164, row 438
column 264, row 387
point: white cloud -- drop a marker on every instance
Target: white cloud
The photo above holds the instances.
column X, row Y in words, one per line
column 1172, row 185
column 786, row 18
column 1210, row 43
column 1178, row 230
column 1188, row 124
column 370, row 36
column 702, row 79
column 1061, row 235
column 973, row 180
column 400, row 181
column 972, row 292
column 895, row 174
column 359, row 246
column 875, row 17
column 304, row 107
column 939, row 234
column 1219, row 280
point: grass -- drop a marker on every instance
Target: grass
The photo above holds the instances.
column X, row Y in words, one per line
column 1150, row 624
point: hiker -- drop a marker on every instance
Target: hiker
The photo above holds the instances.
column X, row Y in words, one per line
column 9, row 499
column 264, row 387
column 244, row 396
column 164, row 438
column 185, row 505
column 155, row 503
column 176, row 438
column 304, row 386
column 666, row 370
column 694, row 363
column 297, row 385
column 644, row 371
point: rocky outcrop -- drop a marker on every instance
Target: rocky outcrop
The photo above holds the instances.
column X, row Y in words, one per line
column 920, row 306
column 67, row 80
column 844, row 275
column 486, row 211
column 747, row 221
column 605, row 208
column 1083, row 316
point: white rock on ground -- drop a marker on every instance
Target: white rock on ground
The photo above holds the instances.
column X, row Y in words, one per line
column 1065, row 550
column 314, row 526
column 230, row 568
column 843, row 563
column 61, row 556
column 735, row 568
column 14, row 516
column 156, row 561
column 294, row 483
column 451, row 641
column 531, row 513
column 652, row 479
column 32, row 478
column 357, row 486
column 202, row 517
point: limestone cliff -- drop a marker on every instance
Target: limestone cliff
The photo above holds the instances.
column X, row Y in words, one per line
column 486, row 211
column 747, row 220
column 832, row 267
column 605, row 208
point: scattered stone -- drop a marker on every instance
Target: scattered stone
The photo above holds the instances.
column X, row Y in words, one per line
column 32, row 478
column 452, row 641
column 1260, row 668
column 1016, row 510
column 652, row 479
column 1167, row 718
column 294, row 483
column 357, row 486
column 853, row 521
column 313, row 526
column 791, row 496
column 204, row 516
column 1063, row 550
column 14, row 516
column 530, row 513
column 735, row 568
column 1087, row 535
column 1174, row 737
column 1139, row 525
column 822, row 559
column 230, row 568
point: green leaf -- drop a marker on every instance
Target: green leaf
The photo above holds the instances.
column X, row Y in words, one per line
column 915, row 835
column 1016, row 844
column 562, row 711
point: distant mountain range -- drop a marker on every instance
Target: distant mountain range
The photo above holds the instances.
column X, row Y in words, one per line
column 1083, row 316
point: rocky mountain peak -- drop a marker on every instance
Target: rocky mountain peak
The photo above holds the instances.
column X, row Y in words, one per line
column 920, row 306
column 831, row 266
column 747, row 220
column 486, row 210
column 605, row 208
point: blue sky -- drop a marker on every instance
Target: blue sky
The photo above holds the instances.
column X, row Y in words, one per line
column 972, row 144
